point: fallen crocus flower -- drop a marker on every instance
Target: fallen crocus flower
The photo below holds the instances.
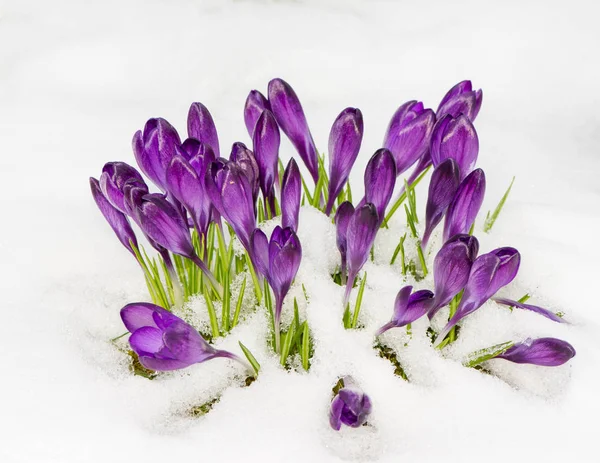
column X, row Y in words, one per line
column 533, row 308
column 350, row 406
column 455, row 138
column 442, row 188
column 290, row 116
column 164, row 342
column 461, row 99
column 345, row 139
column 200, row 125
column 291, row 191
column 451, row 269
column 114, row 177
column 408, row 134
column 465, row 205
column 266, row 152
column 547, row 352
column 255, row 104
column 278, row 260
column 342, row 219
column 408, row 308
column 380, row 179
column 489, row 273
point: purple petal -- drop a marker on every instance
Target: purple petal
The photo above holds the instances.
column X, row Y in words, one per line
column 335, row 413
column 256, row 103
column 362, row 229
column 266, row 151
column 534, row 308
column 455, row 138
column 201, row 126
column 116, row 219
column 246, row 161
column 357, row 406
column 260, row 251
column 342, row 219
column 162, row 364
column 284, row 261
column 442, row 188
column 461, row 99
column 139, row 314
column 548, row 352
column 291, row 195
column 401, row 302
column 462, row 87
column 114, row 177
column 290, row 116
column 345, row 139
column 510, row 260
column 465, row 205
column 146, row 341
column 185, row 185
column 159, row 144
column 380, row 179
column 186, row 344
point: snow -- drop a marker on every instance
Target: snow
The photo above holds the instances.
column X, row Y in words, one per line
column 78, row 78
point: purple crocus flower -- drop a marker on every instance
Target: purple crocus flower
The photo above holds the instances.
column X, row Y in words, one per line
column 164, row 342
column 231, row 194
column 408, row 308
column 380, row 179
column 455, row 138
column 465, row 205
column 278, row 260
column 461, row 99
column 290, row 196
column 290, row 116
column 256, row 103
column 532, row 308
column 115, row 218
column 442, row 188
column 409, row 133
column 200, row 125
column 345, row 138
column 350, row 406
column 246, row 161
column 342, row 219
column 114, row 177
column 154, row 148
column 360, row 235
column 547, row 352
column 489, row 273
column 451, row 269
column 266, row 151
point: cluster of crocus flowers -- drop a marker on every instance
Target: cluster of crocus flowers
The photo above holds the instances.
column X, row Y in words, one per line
column 203, row 202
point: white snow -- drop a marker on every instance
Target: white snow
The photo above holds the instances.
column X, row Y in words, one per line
column 78, row 78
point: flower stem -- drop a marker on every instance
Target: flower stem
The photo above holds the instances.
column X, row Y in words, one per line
column 218, row 289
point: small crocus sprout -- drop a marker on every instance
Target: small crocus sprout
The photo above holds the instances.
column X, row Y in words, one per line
column 291, row 191
column 350, row 406
column 164, row 342
column 465, row 205
column 256, row 103
column 409, row 133
column 342, row 219
column 115, row 218
column 547, row 352
column 489, row 273
column 200, row 125
column 455, row 138
column 451, row 269
column 380, row 179
column 266, row 152
column 408, row 308
column 290, row 116
column 461, row 99
column 154, row 148
column 345, row 139
column 442, row 188
column 114, row 177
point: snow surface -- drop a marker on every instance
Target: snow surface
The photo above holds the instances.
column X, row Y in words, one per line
column 78, row 78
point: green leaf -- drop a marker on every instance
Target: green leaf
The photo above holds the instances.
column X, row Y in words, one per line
column 238, row 305
column 250, row 357
column 359, row 298
column 480, row 356
column 491, row 219
column 402, row 198
column 305, row 351
column 285, row 345
column 212, row 315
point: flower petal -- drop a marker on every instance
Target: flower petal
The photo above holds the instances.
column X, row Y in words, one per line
column 201, row 126
column 146, row 341
column 548, row 352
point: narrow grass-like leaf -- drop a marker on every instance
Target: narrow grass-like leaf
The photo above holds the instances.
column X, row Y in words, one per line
column 359, row 298
column 286, row 343
column 491, row 219
column 238, row 305
column 305, row 351
column 257, row 290
column 480, row 356
column 402, row 198
column 212, row 315
column 250, row 357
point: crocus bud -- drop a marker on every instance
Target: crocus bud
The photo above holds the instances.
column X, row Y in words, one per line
column 380, row 179
column 489, row 273
column 231, row 194
column 461, row 99
column 442, row 188
column 289, row 115
column 451, row 269
column 201, row 126
column 547, row 352
column 266, row 151
column 114, row 177
column 408, row 308
column 532, row 308
column 115, row 218
column 350, row 406
column 163, row 341
column 342, row 219
column 345, row 138
column 246, row 161
column 154, row 148
column 455, row 138
column 256, row 103
column 465, row 205
column 291, row 195
column 409, row 133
